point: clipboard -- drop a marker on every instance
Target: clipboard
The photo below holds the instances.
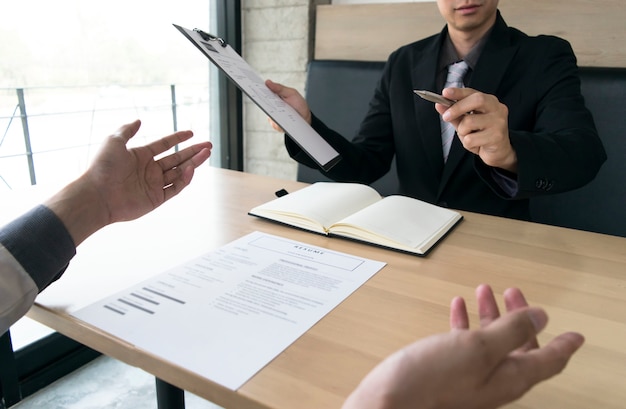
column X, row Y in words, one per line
column 250, row 83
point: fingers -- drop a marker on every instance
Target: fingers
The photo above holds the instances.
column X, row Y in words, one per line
column 485, row 133
column 459, row 318
column 457, row 94
column 463, row 104
column 510, row 332
column 488, row 310
column 505, row 348
column 200, row 157
column 277, row 88
column 543, row 363
column 179, row 158
column 280, row 89
column 513, row 300
column 291, row 97
column 127, row 131
column 178, row 176
column 520, row 372
column 176, row 173
column 275, row 125
column 272, row 85
column 164, row 144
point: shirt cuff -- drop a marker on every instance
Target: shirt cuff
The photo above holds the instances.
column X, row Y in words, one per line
column 506, row 180
column 39, row 241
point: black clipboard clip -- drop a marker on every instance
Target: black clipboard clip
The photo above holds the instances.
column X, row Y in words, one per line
column 210, row 37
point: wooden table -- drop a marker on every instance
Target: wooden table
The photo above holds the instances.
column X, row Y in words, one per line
column 578, row 277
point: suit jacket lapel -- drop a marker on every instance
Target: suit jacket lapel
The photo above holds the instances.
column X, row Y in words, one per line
column 494, row 59
column 423, row 77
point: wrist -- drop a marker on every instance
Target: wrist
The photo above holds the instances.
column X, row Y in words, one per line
column 81, row 209
column 509, row 163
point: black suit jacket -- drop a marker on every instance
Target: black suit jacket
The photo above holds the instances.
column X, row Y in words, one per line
column 550, row 128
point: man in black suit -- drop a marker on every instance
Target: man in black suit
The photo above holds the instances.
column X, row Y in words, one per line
column 522, row 128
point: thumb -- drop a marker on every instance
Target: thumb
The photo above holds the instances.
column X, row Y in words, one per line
column 127, row 131
column 273, row 86
column 511, row 331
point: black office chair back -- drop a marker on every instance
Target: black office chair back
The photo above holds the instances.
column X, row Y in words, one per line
column 339, row 92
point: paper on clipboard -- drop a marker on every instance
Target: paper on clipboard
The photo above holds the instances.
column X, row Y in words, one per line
column 251, row 84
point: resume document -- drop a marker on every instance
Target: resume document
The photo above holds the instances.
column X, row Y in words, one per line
column 227, row 313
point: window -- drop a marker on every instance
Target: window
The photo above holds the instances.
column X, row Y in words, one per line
column 71, row 73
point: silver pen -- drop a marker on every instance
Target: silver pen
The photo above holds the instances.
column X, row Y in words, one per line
column 432, row 97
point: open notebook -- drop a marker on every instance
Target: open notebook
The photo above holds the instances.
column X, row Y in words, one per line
column 356, row 211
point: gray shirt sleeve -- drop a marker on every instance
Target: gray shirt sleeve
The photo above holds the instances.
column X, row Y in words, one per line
column 35, row 250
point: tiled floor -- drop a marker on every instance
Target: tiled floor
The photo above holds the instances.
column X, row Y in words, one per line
column 104, row 383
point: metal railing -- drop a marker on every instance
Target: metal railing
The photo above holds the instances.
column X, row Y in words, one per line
column 61, row 126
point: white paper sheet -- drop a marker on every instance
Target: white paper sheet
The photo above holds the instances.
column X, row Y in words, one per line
column 228, row 313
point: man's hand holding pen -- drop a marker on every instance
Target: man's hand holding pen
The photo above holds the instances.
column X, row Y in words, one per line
column 486, row 132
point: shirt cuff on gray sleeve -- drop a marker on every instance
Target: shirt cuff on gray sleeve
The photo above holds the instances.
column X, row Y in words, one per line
column 40, row 243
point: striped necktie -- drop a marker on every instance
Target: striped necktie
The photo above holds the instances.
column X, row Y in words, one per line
column 456, row 72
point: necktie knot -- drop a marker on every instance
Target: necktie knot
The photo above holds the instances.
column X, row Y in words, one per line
column 456, row 72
